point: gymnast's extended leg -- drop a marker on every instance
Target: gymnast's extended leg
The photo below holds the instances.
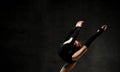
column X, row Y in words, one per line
column 83, row 49
column 74, row 33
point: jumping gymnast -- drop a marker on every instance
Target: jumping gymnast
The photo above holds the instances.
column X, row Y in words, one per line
column 71, row 50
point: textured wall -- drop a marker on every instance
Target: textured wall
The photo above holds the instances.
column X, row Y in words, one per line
column 32, row 31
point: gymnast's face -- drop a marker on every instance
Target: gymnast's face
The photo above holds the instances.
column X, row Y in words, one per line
column 77, row 44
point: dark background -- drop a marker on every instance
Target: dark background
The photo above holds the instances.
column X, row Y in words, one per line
column 32, row 30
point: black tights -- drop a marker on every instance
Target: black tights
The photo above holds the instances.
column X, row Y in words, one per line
column 75, row 32
column 93, row 37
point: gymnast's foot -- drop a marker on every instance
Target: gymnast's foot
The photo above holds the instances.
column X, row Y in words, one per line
column 103, row 27
column 79, row 24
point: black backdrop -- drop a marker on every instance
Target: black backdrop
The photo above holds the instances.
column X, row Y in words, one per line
column 32, row 30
